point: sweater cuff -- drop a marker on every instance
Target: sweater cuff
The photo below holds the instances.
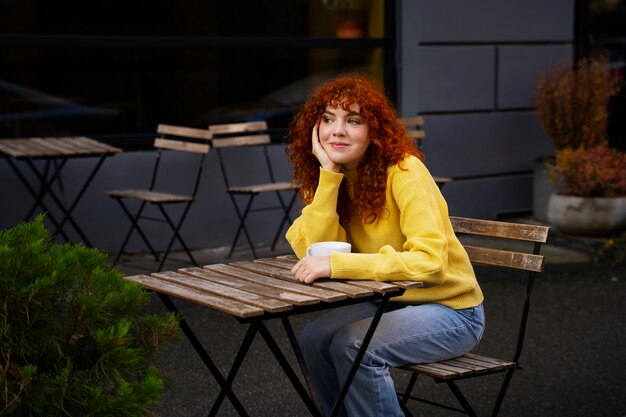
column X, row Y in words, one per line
column 327, row 189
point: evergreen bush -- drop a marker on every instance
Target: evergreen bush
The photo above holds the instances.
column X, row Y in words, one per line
column 74, row 337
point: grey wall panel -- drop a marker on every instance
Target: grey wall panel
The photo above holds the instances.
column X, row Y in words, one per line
column 496, row 20
column 519, row 68
column 455, row 78
column 483, row 143
column 489, row 198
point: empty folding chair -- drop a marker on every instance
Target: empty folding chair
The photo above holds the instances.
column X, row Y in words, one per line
column 415, row 127
column 248, row 134
column 175, row 139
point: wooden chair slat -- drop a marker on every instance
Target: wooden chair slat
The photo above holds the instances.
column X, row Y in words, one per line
column 262, row 188
column 248, row 140
column 431, row 371
column 504, row 258
column 226, row 128
column 179, row 145
column 500, row 229
column 488, row 359
column 184, row 131
column 151, row 196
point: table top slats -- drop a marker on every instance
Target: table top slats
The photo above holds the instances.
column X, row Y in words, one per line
column 346, row 287
column 54, row 147
column 270, row 305
column 333, row 285
column 408, row 284
column 66, row 146
column 225, row 305
column 95, row 146
column 281, row 273
column 376, row 286
column 17, row 148
column 289, row 285
column 250, row 286
column 286, row 263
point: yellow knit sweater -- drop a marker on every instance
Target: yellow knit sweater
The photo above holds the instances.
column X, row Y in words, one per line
column 412, row 239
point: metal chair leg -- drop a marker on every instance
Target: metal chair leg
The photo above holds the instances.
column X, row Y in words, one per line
column 461, row 398
column 286, row 218
column 134, row 220
column 176, row 235
column 242, row 224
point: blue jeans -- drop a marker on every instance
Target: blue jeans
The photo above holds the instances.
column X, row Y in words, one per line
column 406, row 334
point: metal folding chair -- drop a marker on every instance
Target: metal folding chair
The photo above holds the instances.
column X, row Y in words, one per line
column 415, row 128
column 172, row 138
column 248, row 134
column 523, row 243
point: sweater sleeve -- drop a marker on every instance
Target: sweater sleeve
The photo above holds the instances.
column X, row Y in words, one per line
column 319, row 220
column 424, row 253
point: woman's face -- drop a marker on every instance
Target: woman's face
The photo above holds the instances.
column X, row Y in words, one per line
column 344, row 135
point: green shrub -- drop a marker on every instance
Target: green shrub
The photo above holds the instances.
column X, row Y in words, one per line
column 74, row 340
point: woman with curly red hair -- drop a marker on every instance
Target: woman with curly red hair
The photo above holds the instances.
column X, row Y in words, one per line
column 363, row 182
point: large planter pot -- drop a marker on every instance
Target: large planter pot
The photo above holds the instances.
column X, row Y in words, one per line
column 587, row 216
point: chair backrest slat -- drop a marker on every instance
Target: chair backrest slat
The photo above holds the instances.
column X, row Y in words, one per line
column 179, row 145
column 500, row 229
column 233, row 141
column 185, row 131
column 505, row 258
column 238, row 127
column 414, row 127
column 180, row 138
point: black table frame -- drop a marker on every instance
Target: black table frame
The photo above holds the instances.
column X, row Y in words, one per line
column 50, row 174
column 257, row 325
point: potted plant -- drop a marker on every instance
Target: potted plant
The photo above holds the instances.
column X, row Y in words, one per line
column 572, row 104
column 351, row 17
column 74, row 340
column 593, row 199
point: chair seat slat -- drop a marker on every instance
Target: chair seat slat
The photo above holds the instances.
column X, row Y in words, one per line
column 152, row 196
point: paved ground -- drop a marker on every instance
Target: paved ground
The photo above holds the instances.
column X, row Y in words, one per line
column 573, row 360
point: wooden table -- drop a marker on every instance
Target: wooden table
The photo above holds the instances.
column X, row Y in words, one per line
column 54, row 152
column 256, row 291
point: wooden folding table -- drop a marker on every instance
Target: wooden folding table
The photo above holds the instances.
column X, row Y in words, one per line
column 256, row 291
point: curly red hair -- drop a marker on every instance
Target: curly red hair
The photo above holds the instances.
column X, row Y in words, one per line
column 389, row 144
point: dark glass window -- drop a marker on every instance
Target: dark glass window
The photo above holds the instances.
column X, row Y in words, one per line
column 114, row 69
column 602, row 28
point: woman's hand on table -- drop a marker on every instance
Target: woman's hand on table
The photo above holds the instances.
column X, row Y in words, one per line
column 310, row 268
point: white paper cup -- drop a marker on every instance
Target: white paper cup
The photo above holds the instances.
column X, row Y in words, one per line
column 326, row 248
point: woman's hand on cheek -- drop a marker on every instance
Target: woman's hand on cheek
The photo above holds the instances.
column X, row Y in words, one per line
column 319, row 152
column 310, row 268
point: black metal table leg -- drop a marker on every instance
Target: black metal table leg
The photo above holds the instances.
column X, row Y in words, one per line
column 357, row 361
column 197, row 345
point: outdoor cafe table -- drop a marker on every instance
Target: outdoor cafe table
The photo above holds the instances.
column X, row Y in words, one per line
column 55, row 152
column 256, row 291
